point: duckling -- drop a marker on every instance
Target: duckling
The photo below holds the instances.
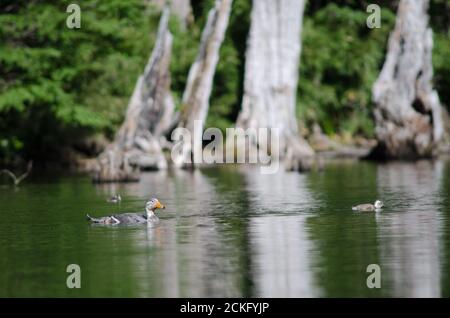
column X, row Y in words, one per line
column 369, row 206
column 115, row 199
column 132, row 218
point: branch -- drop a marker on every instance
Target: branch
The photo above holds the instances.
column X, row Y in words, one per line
column 16, row 180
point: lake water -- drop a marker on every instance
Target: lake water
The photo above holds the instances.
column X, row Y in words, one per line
column 233, row 232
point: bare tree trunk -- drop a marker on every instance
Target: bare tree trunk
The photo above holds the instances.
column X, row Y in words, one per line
column 137, row 144
column 201, row 74
column 271, row 77
column 408, row 113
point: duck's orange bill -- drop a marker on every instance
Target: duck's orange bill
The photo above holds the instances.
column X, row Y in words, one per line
column 160, row 206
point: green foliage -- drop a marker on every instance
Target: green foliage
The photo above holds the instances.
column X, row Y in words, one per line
column 340, row 61
column 60, row 84
column 184, row 50
column 440, row 23
column 441, row 65
column 228, row 81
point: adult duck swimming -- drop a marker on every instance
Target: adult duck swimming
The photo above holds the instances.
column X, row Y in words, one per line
column 132, row 218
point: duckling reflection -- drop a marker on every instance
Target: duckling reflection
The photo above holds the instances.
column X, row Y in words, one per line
column 115, row 199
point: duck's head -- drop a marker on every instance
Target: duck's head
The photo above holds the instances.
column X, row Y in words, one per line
column 378, row 204
column 153, row 204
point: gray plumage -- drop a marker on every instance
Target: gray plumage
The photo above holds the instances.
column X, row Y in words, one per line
column 131, row 218
column 368, row 206
column 364, row 207
column 124, row 218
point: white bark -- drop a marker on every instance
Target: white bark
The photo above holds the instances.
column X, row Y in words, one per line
column 148, row 116
column 408, row 113
column 271, row 76
column 201, row 74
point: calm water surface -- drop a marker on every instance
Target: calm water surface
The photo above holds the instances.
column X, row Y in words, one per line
column 232, row 232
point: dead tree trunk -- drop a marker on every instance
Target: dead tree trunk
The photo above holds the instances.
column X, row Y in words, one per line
column 200, row 79
column 137, row 143
column 408, row 113
column 271, row 77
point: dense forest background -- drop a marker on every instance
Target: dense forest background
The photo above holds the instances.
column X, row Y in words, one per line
column 63, row 91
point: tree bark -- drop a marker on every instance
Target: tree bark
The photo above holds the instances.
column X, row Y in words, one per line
column 200, row 79
column 137, row 143
column 408, row 113
column 271, row 77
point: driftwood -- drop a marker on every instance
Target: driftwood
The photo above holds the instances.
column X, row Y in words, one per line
column 200, row 79
column 16, row 180
column 149, row 114
column 408, row 113
column 271, row 77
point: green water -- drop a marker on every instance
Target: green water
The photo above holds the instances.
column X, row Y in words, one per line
column 233, row 232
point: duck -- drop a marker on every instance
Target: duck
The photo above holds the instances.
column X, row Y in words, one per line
column 369, row 206
column 115, row 199
column 132, row 218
